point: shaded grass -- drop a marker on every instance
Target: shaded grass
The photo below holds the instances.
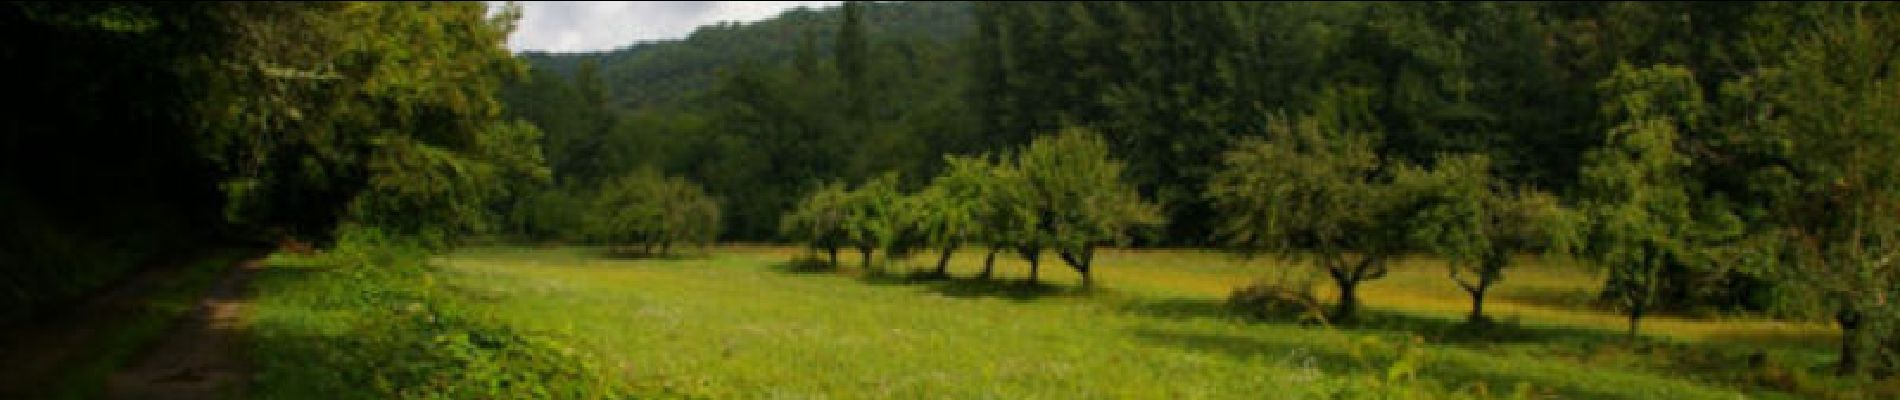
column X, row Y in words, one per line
column 96, row 346
column 372, row 322
column 740, row 324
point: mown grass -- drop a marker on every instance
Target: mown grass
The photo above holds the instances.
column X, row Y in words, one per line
column 744, row 322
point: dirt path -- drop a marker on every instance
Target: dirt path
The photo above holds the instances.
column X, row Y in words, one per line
column 200, row 357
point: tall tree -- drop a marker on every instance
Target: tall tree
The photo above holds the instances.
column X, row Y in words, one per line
column 1646, row 215
column 853, row 60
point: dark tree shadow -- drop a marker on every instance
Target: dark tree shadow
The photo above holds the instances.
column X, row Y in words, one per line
column 1180, row 308
column 1002, row 289
column 1335, row 360
column 624, row 254
column 805, row 265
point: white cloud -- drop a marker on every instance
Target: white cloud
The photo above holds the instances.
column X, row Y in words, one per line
column 574, row 26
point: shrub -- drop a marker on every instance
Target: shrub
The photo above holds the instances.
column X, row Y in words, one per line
column 1277, row 301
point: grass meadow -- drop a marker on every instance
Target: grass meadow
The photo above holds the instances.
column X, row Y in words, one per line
column 744, row 322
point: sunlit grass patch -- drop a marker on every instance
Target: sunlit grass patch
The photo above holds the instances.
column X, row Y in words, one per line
column 735, row 323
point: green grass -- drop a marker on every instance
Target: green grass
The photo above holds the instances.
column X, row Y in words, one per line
column 741, row 323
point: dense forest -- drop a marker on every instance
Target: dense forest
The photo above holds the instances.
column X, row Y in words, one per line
column 1709, row 157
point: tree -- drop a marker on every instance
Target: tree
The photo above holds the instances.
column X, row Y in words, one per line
column 1827, row 106
column 951, row 209
column 1312, row 189
column 1478, row 223
column 1077, row 189
column 819, row 220
column 875, row 217
column 654, row 212
column 852, row 61
column 1646, row 214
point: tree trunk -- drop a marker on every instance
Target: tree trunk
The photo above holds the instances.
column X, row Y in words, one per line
column 834, row 255
column 1080, row 262
column 1348, row 285
column 1477, row 304
column 1348, row 301
column 1035, row 264
column 1636, row 315
column 1850, row 363
column 1088, row 280
column 866, row 253
column 989, row 264
column 943, row 262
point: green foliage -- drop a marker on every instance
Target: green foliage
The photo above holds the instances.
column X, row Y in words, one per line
column 1826, row 112
column 878, row 216
column 313, row 106
column 646, row 209
column 158, row 128
column 952, row 211
column 1645, row 214
column 367, row 319
column 819, row 220
column 1076, row 189
column 1477, row 223
column 1313, row 188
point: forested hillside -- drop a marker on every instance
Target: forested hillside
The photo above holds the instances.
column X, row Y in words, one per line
column 763, row 111
column 756, row 111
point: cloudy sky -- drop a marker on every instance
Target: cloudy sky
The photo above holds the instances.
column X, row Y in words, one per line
column 570, row 26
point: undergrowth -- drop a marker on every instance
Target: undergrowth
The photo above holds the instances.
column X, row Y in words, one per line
column 367, row 319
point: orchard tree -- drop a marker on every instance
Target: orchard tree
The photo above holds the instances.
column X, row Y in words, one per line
column 1477, row 222
column 819, row 220
column 653, row 211
column 875, row 217
column 1008, row 220
column 1313, row 189
column 951, row 209
column 1076, row 188
column 1645, row 211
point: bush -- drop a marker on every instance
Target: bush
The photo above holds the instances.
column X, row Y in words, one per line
column 1277, row 301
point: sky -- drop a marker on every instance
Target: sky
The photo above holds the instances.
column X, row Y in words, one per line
column 579, row 26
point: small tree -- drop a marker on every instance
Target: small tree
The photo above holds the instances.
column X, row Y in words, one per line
column 1313, row 189
column 1077, row 189
column 1012, row 221
column 1473, row 220
column 652, row 211
column 875, row 217
column 819, row 220
column 951, row 208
